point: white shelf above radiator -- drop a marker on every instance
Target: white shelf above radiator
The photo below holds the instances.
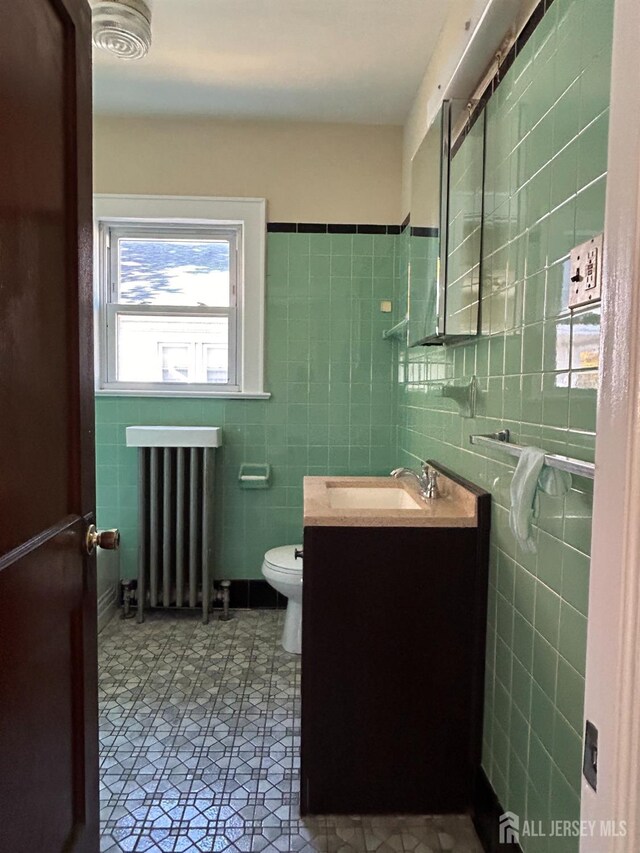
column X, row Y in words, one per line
column 173, row 436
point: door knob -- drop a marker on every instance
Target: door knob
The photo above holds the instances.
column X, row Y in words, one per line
column 109, row 540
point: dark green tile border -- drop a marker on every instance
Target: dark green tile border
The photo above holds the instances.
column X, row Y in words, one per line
column 330, row 228
column 337, row 228
column 243, row 594
column 525, row 34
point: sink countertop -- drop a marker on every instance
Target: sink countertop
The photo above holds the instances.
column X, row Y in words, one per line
column 455, row 508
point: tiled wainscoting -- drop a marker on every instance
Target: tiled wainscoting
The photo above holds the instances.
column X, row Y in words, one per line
column 199, row 741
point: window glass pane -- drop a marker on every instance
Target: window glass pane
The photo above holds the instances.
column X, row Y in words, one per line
column 172, row 349
column 216, row 363
column 173, row 272
column 175, row 362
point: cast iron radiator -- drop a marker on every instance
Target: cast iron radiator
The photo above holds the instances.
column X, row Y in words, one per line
column 176, row 486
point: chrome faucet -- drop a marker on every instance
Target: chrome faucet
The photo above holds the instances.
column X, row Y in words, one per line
column 427, row 480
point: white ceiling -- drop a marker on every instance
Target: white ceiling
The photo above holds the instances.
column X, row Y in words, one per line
column 309, row 60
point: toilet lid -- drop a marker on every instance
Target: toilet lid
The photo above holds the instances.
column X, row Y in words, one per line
column 283, row 558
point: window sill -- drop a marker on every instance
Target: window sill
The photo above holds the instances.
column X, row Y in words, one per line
column 205, row 395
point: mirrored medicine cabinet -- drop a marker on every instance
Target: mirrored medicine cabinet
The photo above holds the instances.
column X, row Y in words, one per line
column 445, row 234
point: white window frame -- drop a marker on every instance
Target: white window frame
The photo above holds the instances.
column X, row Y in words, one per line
column 109, row 234
column 248, row 217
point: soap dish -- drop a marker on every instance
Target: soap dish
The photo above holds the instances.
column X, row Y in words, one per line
column 254, row 476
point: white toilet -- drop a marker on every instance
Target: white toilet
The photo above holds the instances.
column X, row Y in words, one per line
column 284, row 572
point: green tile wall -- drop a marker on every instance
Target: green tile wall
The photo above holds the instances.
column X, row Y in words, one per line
column 332, row 407
column 538, row 373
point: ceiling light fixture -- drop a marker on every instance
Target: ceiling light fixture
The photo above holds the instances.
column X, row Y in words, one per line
column 123, row 27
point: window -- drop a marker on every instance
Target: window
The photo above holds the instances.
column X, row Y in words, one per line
column 171, row 295
column 180, row 299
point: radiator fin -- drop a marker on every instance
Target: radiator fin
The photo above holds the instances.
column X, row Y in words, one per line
column 175, row 527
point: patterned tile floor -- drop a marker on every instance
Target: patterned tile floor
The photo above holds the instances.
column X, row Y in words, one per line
column 199, row 735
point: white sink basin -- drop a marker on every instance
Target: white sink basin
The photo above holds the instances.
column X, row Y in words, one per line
column 173, row 436
column 345, row 497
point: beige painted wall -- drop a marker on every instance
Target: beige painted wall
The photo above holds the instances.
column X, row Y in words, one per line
column 307, row 172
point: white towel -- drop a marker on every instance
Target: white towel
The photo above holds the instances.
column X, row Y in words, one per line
column 523, row 494
column 532, row 475
column 553, row 482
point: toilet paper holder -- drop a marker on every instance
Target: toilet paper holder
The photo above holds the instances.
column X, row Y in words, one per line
column 254, row 475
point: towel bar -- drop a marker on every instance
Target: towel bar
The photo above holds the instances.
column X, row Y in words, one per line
column 501, row 441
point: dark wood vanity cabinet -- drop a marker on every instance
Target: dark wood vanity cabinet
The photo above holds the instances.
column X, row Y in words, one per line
column 393, row 647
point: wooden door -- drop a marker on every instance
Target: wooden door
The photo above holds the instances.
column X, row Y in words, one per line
column 48, row 694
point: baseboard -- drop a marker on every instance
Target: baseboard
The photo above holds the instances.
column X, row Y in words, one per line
column 486, row 814
column 107, row 606
column 244, row 594
column 254, row 593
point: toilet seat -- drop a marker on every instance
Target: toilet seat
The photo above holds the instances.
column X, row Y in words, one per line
column 282, row 560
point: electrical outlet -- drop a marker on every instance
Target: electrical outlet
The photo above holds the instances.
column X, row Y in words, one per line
column 585, row 286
